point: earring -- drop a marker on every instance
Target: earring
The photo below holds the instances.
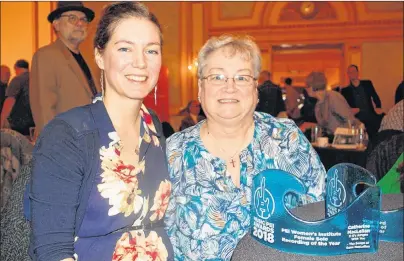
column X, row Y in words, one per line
column 155, row 95
column 102, row 84
column 199, row 99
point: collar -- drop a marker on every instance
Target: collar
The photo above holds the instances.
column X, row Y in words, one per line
column 103, row 121
column 147, row 120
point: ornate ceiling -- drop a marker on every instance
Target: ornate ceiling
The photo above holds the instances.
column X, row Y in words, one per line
column 273, row 14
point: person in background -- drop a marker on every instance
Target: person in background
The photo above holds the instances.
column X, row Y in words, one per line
column 212, row 164
column 331, row 110
column 292, row 96
column 16, row 112
column 99, row 188
column 4, row 78
column 270, row 97
column 168, row 130
column 399, row 95
column 307, row 111
column 394, row 118
column 360, row 95
column 60, row 77
column 192, row 112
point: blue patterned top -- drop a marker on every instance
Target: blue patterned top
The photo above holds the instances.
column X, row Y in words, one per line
column 207, row 214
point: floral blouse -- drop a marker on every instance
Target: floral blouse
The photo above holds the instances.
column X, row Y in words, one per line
column 124, row 195
column 207, row 214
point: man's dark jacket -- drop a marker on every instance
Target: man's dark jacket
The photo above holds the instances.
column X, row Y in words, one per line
column 270, row 99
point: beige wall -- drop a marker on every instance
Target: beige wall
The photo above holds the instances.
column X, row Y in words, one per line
column 17, row 31
column 382, row 62
column 374, row 46
column 167, row 13
column 24, row 29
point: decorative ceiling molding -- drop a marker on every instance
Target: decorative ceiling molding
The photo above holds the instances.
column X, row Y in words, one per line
column 309, row 10
column 383, row 30
column 236, row 10
column 365, row 14
column 253, row 21
column 384, row 6
column 271, row 16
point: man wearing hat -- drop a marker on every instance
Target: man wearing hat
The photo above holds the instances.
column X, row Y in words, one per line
column 60, row 78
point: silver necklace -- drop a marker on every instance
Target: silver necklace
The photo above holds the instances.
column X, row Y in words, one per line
column 223, row 150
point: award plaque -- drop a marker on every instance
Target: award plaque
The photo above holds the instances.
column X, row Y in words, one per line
column 342, row 180
column 353, row 227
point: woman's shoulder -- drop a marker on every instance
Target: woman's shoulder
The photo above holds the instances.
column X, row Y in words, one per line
column 335, row 96
column 70, row 124
column 179, row 139
column 79, row 118
column 267, row 121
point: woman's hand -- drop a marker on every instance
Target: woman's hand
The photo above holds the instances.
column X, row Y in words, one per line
column 306, row 125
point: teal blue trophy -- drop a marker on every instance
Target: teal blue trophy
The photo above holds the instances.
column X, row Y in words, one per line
column 342, row 180
column 352, row 226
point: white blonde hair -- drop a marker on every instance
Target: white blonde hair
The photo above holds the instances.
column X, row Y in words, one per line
column 316, row 80
column 234, row 44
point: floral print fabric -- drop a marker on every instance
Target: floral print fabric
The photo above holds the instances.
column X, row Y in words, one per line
column 207, row 214
column 125, row 195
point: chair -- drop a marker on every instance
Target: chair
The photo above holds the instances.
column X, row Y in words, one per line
column 16, row 158
column 15, row 229
column 16, row 150
column 384, row 155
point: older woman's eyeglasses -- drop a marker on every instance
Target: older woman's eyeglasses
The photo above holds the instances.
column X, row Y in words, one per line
column 74, row 19
column 220, row 80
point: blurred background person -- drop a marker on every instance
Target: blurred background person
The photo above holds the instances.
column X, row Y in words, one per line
column 270, row 96
column 4, row 78
column 16, row 113
column 192, row 115
column 399, row 95
column 331, row 110
column 292, row 100
column 360, row 95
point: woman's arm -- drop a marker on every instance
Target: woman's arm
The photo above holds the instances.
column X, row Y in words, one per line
column 55, row 187
column 341, row 107
column 175, row 167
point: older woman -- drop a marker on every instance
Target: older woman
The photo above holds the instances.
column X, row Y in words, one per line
column 331, row 110
column 212, row 164
column 100, row 181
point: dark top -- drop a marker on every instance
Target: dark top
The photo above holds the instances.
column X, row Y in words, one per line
column 20, row 117
column 188, row 121
column 3, row 88
column 362, row 96
column 399, row 93
column 270, row 99
column 80, row 60
column 361, row 103
column 307, row 110
column 17, row 84
column 85, row 200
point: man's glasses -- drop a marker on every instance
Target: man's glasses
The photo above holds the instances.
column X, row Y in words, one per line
column 221, row 80
column 74, row 19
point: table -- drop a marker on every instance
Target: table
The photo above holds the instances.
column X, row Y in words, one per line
column 331, row 156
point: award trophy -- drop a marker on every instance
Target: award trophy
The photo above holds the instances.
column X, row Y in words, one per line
column 342, row 180
column 353, row 227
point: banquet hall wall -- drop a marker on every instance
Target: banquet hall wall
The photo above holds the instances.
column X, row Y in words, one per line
column 369, row 34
